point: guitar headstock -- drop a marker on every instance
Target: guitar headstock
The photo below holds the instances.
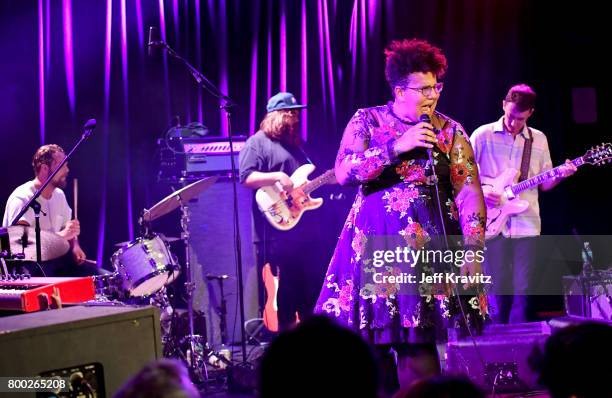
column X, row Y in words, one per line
column 598, row 155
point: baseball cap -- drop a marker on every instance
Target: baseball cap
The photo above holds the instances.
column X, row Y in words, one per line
column 283, row 100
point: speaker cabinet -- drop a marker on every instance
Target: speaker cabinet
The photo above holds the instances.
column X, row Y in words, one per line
column 120, row 340
column 211, row 227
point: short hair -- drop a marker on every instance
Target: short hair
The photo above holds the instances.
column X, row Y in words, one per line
column 44, row 155
column 165, row 378
column 523, row 96
column 407, row 56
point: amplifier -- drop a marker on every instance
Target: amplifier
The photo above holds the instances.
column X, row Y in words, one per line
column 103, row 345
column 589, row 296
column 197, row 157
column 499, row 360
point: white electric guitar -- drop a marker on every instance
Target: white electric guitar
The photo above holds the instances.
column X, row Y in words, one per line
column 284, row 210
column 506, row 186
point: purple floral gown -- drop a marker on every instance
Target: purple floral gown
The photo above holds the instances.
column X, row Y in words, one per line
column 396, row 197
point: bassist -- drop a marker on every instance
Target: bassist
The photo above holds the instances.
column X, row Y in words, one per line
column 269, row 157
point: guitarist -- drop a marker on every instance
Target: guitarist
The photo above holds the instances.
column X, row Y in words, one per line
column 270, row 156
column 498, row 146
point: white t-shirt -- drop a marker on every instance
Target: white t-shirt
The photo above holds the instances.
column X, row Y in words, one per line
column 56, row 210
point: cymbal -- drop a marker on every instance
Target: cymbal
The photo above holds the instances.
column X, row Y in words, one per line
column 173, row 201
column 52, row 245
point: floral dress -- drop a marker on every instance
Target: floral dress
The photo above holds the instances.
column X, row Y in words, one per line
column 397, row 200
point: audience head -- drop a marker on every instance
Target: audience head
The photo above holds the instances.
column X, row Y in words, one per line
column 441, row 387
column 165, row 378
column 575, row 361
column 318, row 358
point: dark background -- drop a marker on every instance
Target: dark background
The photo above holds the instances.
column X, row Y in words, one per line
column 553, row 46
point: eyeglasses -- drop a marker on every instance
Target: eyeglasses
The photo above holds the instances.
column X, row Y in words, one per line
column 429, row 90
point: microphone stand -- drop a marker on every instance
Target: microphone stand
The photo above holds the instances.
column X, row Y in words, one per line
column 33, row 203
column 226, row 105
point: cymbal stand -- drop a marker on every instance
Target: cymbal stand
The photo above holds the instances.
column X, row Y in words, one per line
column 194, row 362
column 198, row 350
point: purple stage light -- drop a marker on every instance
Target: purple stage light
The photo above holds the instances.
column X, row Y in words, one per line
column 68, row 53
column 304, row 62
column 41, row 72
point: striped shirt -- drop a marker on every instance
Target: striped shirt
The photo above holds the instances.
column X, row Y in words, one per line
column 495, row 150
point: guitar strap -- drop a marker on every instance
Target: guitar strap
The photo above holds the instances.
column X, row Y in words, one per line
column 526, row 157
column 305, row 155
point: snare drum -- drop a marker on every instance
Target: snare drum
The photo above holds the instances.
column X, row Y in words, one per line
column 145, row 266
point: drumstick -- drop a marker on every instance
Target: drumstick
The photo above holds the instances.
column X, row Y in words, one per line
column 90, row 261
column 75, row 186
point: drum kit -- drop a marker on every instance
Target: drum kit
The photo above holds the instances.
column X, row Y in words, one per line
column 145, row 266
column 141, row 271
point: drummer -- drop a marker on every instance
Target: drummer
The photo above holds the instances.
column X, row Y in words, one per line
column 55, row 216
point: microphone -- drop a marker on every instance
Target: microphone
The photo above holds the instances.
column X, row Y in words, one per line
column 90, row 125
column 153, row 40
column 425, row 118
column 88, row 128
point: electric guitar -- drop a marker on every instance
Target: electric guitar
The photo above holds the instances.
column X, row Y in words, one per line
column 270, row 312
column 505, row 185
column 284, row 210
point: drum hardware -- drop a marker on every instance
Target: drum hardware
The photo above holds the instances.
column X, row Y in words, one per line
column 167, row 239
column 194, row 358
column 193, row 348
column 222, row 308
column 222, row 358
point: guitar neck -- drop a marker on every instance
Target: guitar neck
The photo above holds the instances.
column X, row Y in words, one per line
column 543, row 177
column 318, row 182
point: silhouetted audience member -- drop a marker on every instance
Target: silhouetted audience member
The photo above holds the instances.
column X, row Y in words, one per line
column 576, row 362
column 166, row 378
column 441, row 387
column 304, row 359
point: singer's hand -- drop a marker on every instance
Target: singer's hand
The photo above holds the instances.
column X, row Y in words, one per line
column 71, row 230
column 419, row 135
